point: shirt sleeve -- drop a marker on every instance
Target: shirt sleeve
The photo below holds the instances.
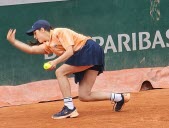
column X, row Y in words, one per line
column 47, row 49
column 66, row 39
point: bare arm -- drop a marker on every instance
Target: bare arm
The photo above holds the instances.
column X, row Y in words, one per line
column 66, row 55
column 22, row 46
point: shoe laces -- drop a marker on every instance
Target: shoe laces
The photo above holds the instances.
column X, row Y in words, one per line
column 63, row 111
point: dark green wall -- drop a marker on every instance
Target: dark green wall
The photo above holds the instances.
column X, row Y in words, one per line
column 90, row 17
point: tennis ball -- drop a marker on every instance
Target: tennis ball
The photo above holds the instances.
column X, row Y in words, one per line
column 46, row 66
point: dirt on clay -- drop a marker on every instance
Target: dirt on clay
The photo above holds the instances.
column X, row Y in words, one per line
column 146, row 109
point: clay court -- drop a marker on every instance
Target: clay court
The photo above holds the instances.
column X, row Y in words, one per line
column 146, row 109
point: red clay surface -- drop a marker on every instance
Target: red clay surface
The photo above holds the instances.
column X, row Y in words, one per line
column 146, row 109
column 126, row 80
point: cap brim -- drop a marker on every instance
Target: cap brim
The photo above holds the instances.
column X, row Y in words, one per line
column 30, row 31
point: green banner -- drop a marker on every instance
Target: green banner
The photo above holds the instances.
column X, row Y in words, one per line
column 133, row 34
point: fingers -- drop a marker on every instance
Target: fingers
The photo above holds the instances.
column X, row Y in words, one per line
column 11, row 35
column 11, row 32
column 53, row 66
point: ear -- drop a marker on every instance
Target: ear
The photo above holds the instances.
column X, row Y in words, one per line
column 42, row 29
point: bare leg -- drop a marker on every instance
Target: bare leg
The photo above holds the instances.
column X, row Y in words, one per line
column 61, row 74
column 85, row 88
column 86, row 85
column 86, row 95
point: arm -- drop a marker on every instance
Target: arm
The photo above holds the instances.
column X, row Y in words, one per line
column 22, row 46
column 66, row 55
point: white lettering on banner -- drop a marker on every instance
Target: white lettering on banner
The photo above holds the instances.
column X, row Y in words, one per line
column 127, row 43
column 167, row 35
column 100, row 39
column 134, row 41
column 158, row 40
column 142, row 40
column 112, row 45
column 51, row 56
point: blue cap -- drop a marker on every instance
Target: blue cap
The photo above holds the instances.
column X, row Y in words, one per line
column 38, row 25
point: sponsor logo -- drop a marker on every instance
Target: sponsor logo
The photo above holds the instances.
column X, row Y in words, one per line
column 133, row 42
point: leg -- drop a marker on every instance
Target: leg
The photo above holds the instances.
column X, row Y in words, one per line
column 62, row 75
column 86, row 95
column 86, row 85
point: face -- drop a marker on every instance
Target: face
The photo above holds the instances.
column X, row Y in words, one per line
column 41, row 35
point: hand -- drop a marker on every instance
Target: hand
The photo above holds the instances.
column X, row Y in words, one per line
column 53, row 65
column 11, row 36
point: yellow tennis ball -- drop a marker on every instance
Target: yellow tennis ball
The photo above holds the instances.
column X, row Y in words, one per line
column 46, row 66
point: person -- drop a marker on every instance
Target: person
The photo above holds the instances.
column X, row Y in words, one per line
column 82, row 57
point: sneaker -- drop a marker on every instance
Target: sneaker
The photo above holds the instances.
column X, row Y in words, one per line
column 66, row 113
column 120, row 104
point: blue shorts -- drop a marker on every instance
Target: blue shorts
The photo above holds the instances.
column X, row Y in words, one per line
column 90, row 54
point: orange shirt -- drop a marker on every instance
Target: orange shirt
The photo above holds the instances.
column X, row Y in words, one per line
column 61, row 38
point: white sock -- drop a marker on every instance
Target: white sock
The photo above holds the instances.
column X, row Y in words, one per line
column 68, row 102
column 116, row 97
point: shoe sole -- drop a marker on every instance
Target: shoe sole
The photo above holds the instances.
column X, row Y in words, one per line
column 126, row 99
column 71, row 115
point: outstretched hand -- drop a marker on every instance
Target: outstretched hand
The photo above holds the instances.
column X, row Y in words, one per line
column 11, row 36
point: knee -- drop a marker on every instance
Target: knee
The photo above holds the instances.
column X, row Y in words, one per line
column 58, row 73
column 83, row 97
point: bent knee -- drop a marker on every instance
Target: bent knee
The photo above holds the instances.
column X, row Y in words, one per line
column 59, row 72
column 84, row 98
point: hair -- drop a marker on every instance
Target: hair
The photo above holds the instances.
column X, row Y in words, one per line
column 36, row 42
column 33, row 42
column 51, row 28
